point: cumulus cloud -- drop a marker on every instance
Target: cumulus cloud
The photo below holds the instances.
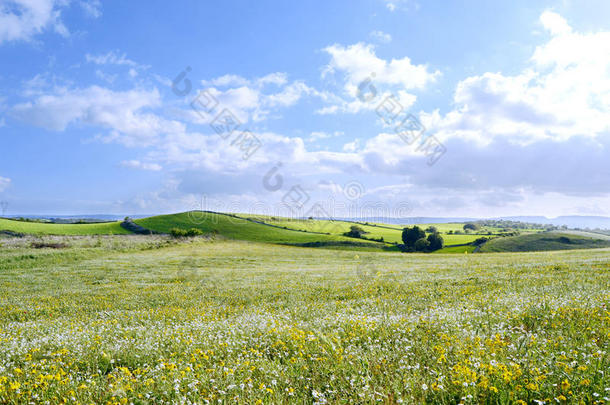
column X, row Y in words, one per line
column 358, row 66
column 563, row 93
column 21, row 20
column 257, row 98
column 126, row 114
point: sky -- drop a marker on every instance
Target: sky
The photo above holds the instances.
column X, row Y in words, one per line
column 346, row 108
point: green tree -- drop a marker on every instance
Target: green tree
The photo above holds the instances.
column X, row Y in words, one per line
column 422, row 245
column 436, row 241
column 355, row 232
column 412, row 235
column 470, row 227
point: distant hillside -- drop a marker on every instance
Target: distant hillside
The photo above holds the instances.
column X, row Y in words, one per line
column 39, row 228
column 573, row 221
column 234, row 227
column 542, row 242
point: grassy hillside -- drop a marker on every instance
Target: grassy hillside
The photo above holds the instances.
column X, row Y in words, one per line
column 390, row 233
column 542, row 242
column 242, row 229
column 37, row 228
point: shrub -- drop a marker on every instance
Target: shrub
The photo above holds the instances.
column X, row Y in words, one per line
column 480, row 241
column 183, row 233
column 431, row 229
column 412, row 235
column 177, row 232
column 422, row 245
column 194, row 232
column 436, row 241
column 355, row 232
column 471, row 227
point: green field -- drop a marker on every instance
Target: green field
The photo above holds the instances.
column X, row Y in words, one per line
column 321, row 233
column 39, row 228
column 242, row 229
column 390, row 233
column 148, row 319
column 544, row 241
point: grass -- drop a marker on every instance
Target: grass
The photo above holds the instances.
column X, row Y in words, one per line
column 390, row 233
column 242, row 229
column 38, row 228
column 543, row 241
column 130, row 319
column 457, row 249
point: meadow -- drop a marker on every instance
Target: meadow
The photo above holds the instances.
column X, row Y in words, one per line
column 38, row 228
column 148, row 319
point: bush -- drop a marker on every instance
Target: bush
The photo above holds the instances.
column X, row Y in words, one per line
column 436, row 241
column 471, row 227
column 422, row 245
column 355, row 232
column 184, row 233
column 480, row 241
column 412, row 235
column 177, row 232
column 431, row 229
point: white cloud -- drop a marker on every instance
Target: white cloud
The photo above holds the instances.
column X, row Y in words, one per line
column 394, row 5
column 93, row 8
column 256, row 99
column 110, row 58
column 359, row 62
column 352, row 147
column 4, row 183
column 136, row 164
column 362, row 70
column 380, row 36
column 123, row 113
column 22, row 19
column 563, row 93
column 555, row 23
column 319, row 135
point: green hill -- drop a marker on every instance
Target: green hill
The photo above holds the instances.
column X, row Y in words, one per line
column 238, row 228
column 543, row 241
column 40, row 228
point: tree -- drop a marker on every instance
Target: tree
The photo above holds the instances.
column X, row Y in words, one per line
column 431, row 229
column 470, row 227
column 422, row 245
column 355, row 232
column 412, row 235
column 436, row 241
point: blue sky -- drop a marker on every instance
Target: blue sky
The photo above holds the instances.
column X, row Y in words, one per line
column 510, row 101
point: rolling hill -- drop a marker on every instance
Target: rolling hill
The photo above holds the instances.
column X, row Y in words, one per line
column 40, row 228
column 233, row 227
column 543, row 241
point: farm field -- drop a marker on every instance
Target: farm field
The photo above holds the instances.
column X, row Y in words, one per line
column 38, row 228
column 148, row 319
column 390, row 233
column 241, row 229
